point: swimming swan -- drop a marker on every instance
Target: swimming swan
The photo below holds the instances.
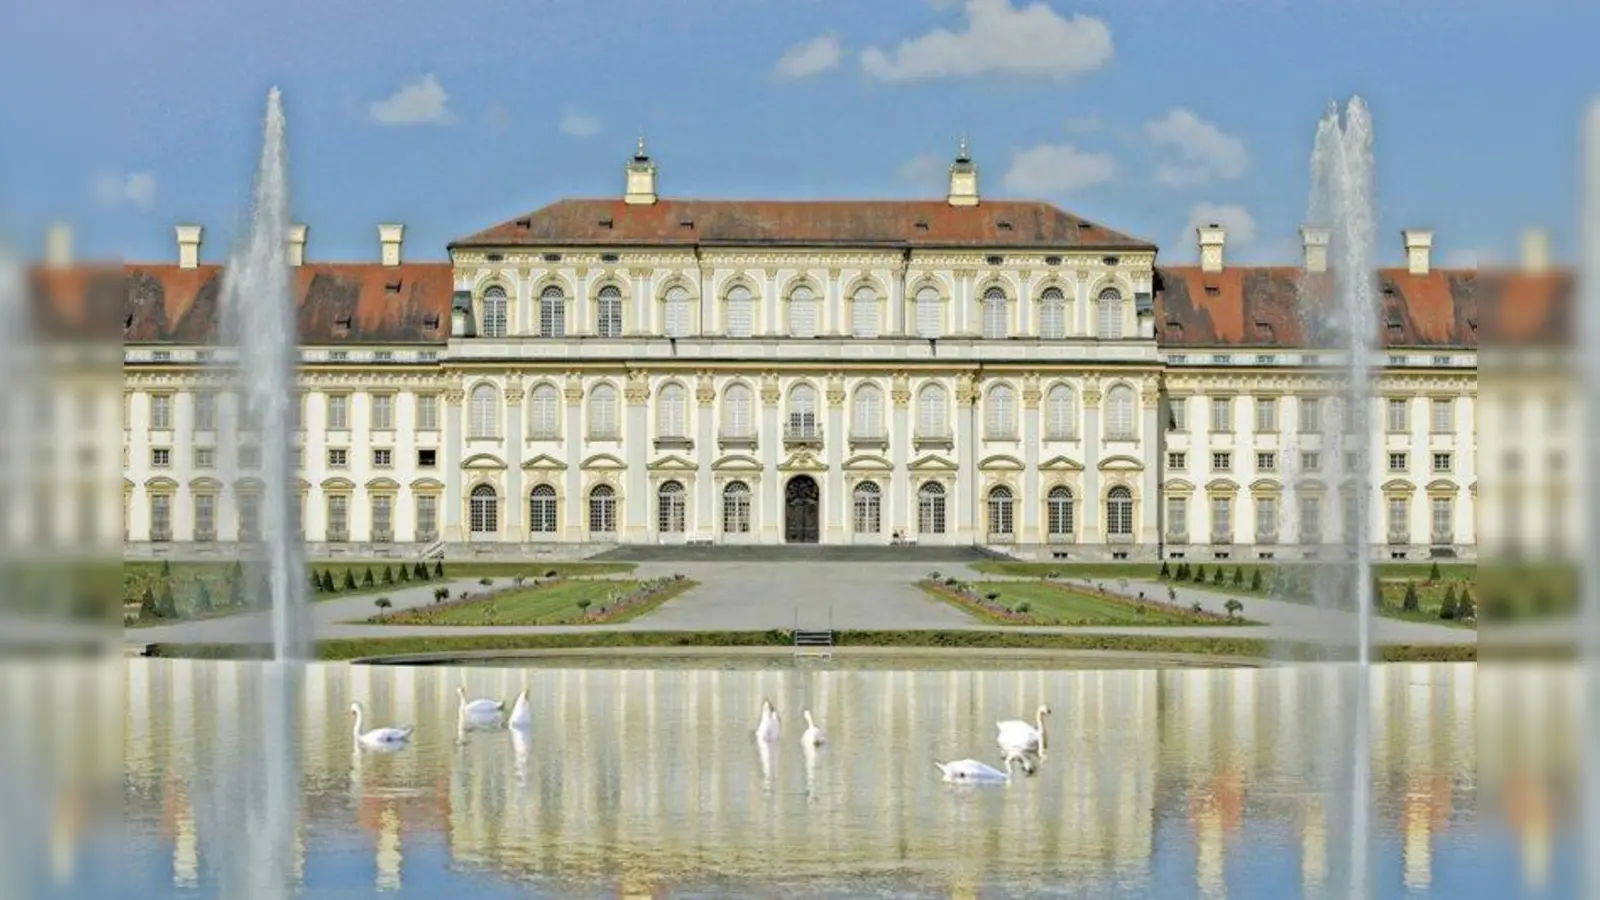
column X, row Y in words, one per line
column 971, row 771
column 1024, row 736
column 479, row 709
column 769, row 728
column 521, row 715
column 813, row 736
column 378, row 737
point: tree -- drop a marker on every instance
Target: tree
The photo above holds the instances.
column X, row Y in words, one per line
column 1377, row 592
column 438, row 569
column 383, row 604
column 1255, row 581
column 328, row 586
column 349, row 579
column 1200, row 574
column 236, row 591
column 1433, row 573
column 1410, row 604
column 1466, row 610
column 1216, row 576
column 316, row 581
column 1238, row 576
column 1166, row 570
column 405, row 574
column 419, row 571
column 367, row 580
column 168, row 603
column 166, row 569
column 148, row 608
column 583, row 605
column 202, row 598
column 1234, row 606
column 388, row 575
column 1448, row 609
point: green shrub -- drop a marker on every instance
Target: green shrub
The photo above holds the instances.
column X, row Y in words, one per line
column 583, row 605
column 1466, row 609
column 388, row 575
column 992, row 595
column 1166, row 570
column 1238, row 576
column 202, row 598
column 1433, row 573
column 1200, row 574
column 1023, row 607
column 316, row 581
column 1255, row 581
column 382, row 603
column 551, row 573
column 1183, row 571
column 486, row 581
column 327, row 582
column 367, row 580
column 148, row 608
column 1216, row 576
column 1448, row 609
column 1234, row 607
column 405, row 574
column 438, row 569
column 1410, row 603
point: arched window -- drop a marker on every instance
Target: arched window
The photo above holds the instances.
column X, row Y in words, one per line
column 552, row 312
column 1061, row 414
column 1001, row 421
column 932, row 407
column 542, row 510
column 868, row 518
column 802, row 412
column 485, row 411
column 671, row 412
column 737, row 421
column 677, row 303
column 1120, row 403
column 930, row 508
column 670, row 508
column 544, row 413
column 930, row 318
column 1058, row 513
column 736, row 508
column 602, row 510
column 802, row 313
column 866, row 412
column 1052, row 314
column 1119, row 512
column 494, row 312
column 864, row 316
column 603, row 413
column 741, row 310
column 1001, row 518
column 608, row 312
column 1110, row 314
column 994, row 313
column 484, row 510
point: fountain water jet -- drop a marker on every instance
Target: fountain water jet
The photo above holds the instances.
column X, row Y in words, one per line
column 1343, row 196
column 1588, row 321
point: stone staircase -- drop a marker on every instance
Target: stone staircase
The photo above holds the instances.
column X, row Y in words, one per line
column 906, row 553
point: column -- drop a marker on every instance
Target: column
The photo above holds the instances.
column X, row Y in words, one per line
column 1092, row 504
column 771, row 321
column 897, row 510
column 966, row 452
column 961, row 315
column 835, row 524
column 1025, row 306
column 576, row 505
column 708, row 305
column 638, row 318
column 897, row 303
column 1081, row 307
column 705, row 442
column 637, row 502
column 1032, row 493
column 1150, row 479
column 770, row 493
column 836, row 321
column 450, row 529
column 514, row 501
column 578, row 308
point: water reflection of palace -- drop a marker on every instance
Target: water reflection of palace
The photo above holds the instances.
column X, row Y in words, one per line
column 650, row 779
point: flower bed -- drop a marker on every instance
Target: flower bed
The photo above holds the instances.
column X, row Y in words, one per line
column 649, row 593
column 962, row 594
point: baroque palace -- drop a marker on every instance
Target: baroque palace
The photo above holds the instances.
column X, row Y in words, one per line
column 961, row 371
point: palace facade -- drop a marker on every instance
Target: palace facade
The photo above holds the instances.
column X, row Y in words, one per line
column 962, row 371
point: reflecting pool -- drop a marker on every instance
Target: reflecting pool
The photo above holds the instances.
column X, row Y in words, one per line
column 647, row 781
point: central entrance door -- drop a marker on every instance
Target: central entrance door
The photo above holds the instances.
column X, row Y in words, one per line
column 801, row 519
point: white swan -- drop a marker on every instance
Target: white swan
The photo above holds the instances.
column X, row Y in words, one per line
column 521, row 715
column 769, row 728
column 1028, row 737
column 481, row 708
column 378, row 737
column 971, row 771
column 813, row 736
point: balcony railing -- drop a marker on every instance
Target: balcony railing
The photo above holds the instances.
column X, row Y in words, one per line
column 1399, row 537
column 160, row 534
column 1444, row 537
column 1222, row 537
column 205, row 535
column 384, row 536
column 934, row 439
column 1267, row 536
column 728, row 439
column 802, row 435
column 879, row 439
column 1068, row 537
column 1178, row 537
column 338, row 536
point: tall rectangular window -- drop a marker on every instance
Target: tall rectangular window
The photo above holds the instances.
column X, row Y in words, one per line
column 1267, row 520
column 1266, row 415
column 1310, row 519
column 1178, row 414
column 1443, row 415
column 382, row 518
column 160, row 411
column 1222, row 414
column 382, row 412
column 338, row 517
column 1221, row 520
column 1178, row 519
column 338, row 412
column 1399, row 520
column 1397, row 419
column 930, row 317
column 427, row 412
column 608, row 312
column 205, row 411
column 160, row 517
column 205, row 517
column 1310, row 415
column 1443, row 521
column 427, row 517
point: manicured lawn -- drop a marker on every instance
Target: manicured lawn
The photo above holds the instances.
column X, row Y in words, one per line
column 1048, row 603
column 560, row 603
column 1430, row 597
column 1066, row 569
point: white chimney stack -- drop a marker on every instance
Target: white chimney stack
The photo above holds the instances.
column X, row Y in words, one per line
column 297, row 245
column 389, row 237
column 1212, row 238
column 1315, row 241
column 1419, row 250
column 963, row 178
column 640, row 188
column 1535, row 251
column 189, row 245
column 58, row 245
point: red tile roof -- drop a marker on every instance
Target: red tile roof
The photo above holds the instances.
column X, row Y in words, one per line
column 997, row 224
column 338, row 303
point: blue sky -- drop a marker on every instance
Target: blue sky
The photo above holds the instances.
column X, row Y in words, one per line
column 127, row 118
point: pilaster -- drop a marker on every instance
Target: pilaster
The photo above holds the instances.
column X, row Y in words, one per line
column 575, row 506
column 770, row 493
column 966, row 438
column 899, row 513
column 1150, row 479
column 451, row 503
column 638, row 503
column 1032, row 499
column 1093, row 504
column 706, row 510
column 835, row 520
column 515, row 502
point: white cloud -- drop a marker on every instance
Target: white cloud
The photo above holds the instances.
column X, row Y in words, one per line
column 421, row 101
column 812, row 57
column 923, row 170
column 1058, row 169
column 1236, row 220
column 578, row 125
column 1206, row 153
column 114, row 189
column 1030, row 41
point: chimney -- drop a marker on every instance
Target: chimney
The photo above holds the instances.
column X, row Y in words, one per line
column 58, row 245
column 1535, row 251
column 1419, row 247
column 1316, row 243
column 640, row 189
column 297, row 245
column 189, row 245
column 389, row 237
column 963, row 178
column 1212, row 237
